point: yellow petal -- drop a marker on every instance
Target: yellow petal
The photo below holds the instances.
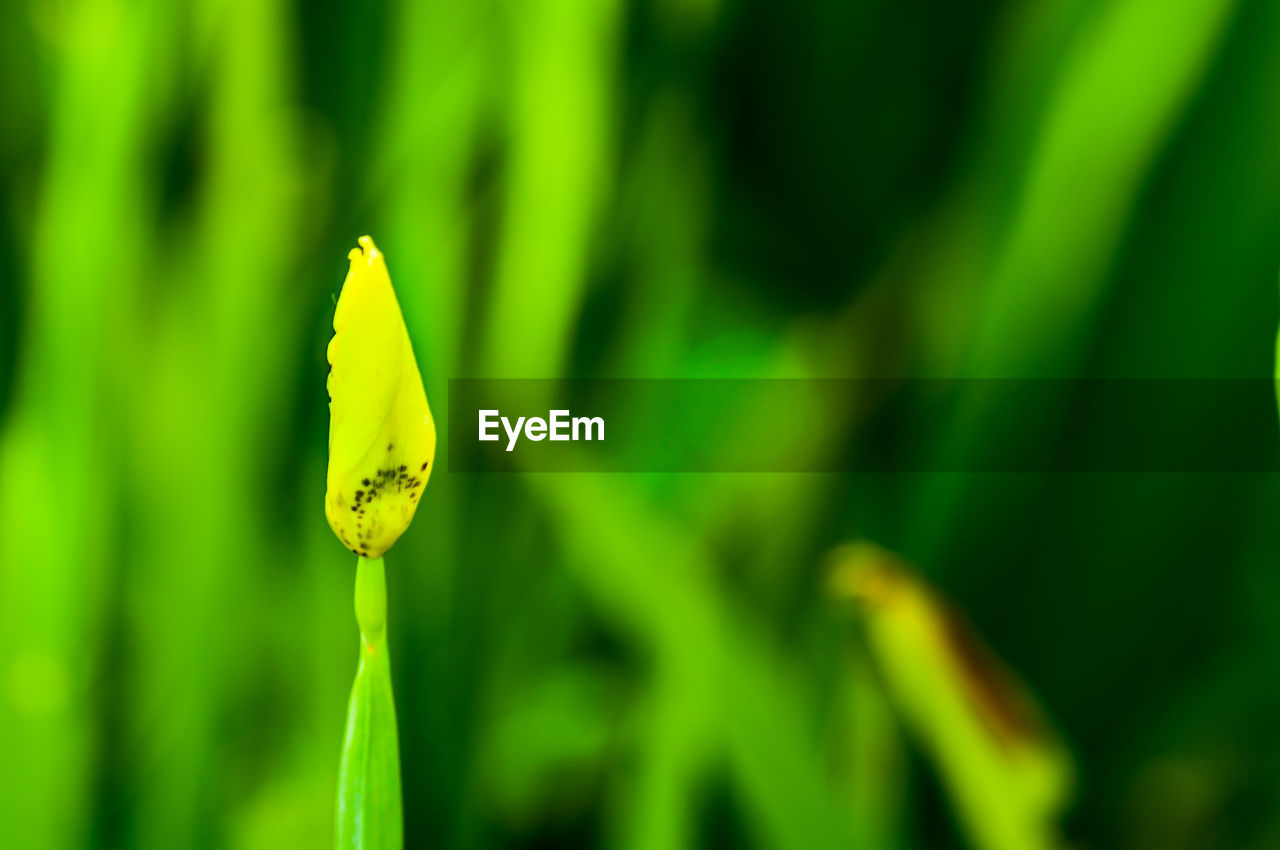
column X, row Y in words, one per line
column 382, row 440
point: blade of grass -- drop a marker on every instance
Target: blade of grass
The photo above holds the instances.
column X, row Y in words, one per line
column 560, row 133
column 736, row 701
column 213, row 387
column 58, row 487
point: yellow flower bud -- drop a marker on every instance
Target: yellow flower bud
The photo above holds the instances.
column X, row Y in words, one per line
column 382, row 440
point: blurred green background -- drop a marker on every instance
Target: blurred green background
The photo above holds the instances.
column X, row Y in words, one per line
column 656, row 188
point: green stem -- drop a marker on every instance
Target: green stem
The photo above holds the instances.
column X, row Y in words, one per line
column 369, row 808
column 371, row 600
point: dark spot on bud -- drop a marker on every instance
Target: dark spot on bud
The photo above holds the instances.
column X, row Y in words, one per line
column 359, row 495
column 424, row 466
column 403, row 468
column 365, row 482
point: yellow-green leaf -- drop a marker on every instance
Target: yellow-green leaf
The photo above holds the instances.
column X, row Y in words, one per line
column 1004, row 767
